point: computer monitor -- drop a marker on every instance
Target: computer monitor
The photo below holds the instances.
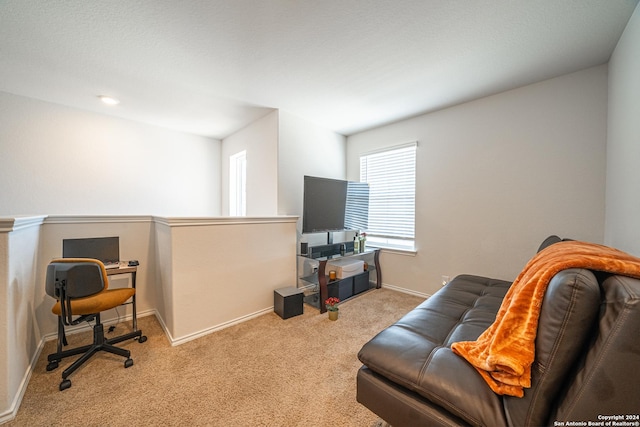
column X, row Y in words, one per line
column 106, row 249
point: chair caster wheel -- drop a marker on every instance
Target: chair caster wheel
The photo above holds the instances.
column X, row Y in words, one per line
column 52, row 365
column 142, row 339
column 65, row 385
column 128, row 363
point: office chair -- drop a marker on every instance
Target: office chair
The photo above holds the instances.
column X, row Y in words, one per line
column 80, row 286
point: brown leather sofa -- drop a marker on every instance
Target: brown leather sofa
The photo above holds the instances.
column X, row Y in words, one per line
column 586, row 368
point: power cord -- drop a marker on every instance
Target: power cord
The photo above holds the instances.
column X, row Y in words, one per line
column 113, row 327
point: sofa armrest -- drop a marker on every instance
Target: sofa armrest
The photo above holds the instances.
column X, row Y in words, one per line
column 605, row 381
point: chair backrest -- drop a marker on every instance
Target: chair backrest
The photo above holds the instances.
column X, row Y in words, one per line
column 75, row 278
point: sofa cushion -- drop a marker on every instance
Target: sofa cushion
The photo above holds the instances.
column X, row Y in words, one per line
column 415, row 352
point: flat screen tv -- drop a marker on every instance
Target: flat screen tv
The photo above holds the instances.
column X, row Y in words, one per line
column 334, row 205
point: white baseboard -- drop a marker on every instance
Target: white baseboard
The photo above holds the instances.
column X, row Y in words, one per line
column 11, row 413
column 406, row 291
column 207, row 331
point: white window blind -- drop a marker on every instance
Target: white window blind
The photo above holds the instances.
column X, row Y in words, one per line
column 356, row 215
column 391, row 175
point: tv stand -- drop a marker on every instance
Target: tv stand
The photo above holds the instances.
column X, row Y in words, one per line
column 314, row 280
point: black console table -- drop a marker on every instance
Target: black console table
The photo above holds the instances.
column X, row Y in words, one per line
column 313, row 277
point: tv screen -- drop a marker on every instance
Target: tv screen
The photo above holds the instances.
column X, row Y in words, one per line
column 334, row 205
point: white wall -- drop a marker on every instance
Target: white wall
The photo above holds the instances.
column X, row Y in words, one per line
column 197, row 274
column 187, row 266
column 59, row 160
column 623, row 142
column 19, row 330
column 225, row 271
column 260, row 140
column 6, row 391
column 497, row 175
column 305, row 149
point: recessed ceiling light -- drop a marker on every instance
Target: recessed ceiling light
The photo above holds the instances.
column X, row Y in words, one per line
column 108, row 100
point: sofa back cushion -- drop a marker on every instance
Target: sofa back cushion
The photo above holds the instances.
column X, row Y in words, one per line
column 606, row 380
column 549, row 241
column 569, row 311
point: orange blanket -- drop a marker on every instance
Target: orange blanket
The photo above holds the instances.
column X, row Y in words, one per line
column 503, row 354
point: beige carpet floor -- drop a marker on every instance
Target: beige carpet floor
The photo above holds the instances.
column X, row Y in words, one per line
column 264, row 372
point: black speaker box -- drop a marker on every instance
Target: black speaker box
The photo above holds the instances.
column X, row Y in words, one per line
column 287, row 302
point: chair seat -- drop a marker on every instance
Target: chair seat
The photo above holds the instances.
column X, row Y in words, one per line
column 97, row 303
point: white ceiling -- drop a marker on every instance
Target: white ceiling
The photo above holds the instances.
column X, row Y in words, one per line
column 210, row 67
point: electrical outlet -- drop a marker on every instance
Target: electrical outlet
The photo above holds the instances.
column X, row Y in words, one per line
column 445, row 280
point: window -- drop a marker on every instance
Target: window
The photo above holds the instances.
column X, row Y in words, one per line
column 238, row 184
column 391, row 174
